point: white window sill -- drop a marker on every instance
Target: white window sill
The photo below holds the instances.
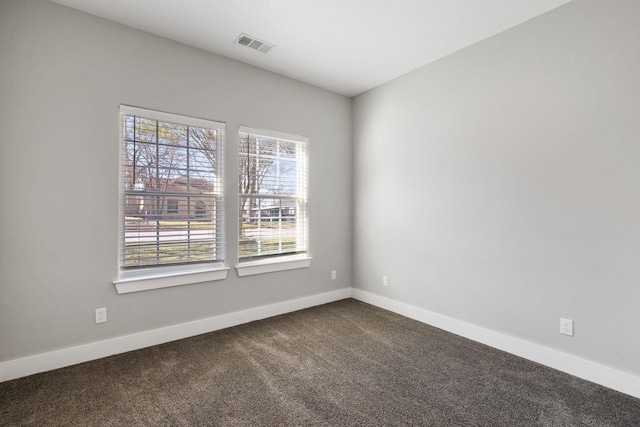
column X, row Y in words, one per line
column 145, row 283
column 272, row 265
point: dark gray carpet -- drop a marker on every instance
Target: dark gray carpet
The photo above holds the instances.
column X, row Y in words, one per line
column 341, row 364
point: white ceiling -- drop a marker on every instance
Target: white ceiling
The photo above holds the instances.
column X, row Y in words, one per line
column 345, row 46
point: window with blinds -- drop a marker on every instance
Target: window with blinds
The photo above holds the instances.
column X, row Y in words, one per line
column 171, row 191
column 272, row 194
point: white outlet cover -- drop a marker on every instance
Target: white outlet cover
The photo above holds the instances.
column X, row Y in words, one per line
column 566, row 326
column 101, row 315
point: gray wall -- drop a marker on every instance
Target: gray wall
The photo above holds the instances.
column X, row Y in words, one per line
column 501, row 185
column 63, row 75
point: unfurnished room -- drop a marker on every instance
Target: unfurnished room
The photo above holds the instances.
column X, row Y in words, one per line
column 320, row 213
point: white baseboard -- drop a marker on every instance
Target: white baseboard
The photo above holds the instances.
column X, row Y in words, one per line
column 590, row 371
column 22, row 367
column 581, row 368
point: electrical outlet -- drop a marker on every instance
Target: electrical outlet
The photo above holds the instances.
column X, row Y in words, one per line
column 385, row 280
column 101, row 315
column 566, row 327
column 334, row 275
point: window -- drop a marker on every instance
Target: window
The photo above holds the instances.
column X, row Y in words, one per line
column 201, row 209
column 172, row 206
column 171, row 195
column 272, row 195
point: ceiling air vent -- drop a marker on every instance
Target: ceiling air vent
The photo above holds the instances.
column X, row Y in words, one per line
column 253, row 43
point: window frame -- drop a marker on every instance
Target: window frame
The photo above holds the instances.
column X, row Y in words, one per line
column 285, row 261
column 154, row 277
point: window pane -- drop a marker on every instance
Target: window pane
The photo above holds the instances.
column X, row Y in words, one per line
column 145, row 130
column 172, row 134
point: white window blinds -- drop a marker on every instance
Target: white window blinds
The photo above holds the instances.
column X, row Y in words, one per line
column 171, row 190
column 272, row 194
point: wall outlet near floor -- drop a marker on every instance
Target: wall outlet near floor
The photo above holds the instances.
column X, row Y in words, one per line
column 101, row 315
column 385, row 280
column 566, row 327
column 334, row 275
